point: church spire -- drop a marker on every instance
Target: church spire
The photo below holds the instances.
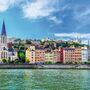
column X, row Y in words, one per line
column 3, row 29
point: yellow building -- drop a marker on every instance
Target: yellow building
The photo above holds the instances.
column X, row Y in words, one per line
column 50, row 56
column 30, row 54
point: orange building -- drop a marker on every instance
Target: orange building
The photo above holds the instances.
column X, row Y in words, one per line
column 39, row 55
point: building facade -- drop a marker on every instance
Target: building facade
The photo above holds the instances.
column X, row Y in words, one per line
column 72, row 55
column 84, row 54
column 61, row 55
column 30, row 54
column 39, row 55
column 88, row 54
column 57, row 53
column 51, row 56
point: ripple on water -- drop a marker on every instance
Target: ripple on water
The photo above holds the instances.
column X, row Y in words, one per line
column 48, row 79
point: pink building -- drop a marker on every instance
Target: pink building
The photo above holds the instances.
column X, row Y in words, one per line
column 72, row 55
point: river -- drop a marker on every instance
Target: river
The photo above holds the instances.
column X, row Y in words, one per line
column 44, row 79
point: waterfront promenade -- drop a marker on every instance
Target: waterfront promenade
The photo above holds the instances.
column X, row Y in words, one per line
column 33, row 66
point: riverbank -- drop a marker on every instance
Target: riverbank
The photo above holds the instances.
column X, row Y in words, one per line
column 32, row 66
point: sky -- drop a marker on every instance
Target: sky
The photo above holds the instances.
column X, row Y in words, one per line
column 38, row 19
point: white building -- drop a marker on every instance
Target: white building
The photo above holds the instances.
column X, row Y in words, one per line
column 12, row 54
column 84, row 54
column 88, row 54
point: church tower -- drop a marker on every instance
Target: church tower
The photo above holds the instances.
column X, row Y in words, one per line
column 3, row 34
column 3, row 43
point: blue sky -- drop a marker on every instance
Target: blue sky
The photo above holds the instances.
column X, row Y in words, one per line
column 37, row 19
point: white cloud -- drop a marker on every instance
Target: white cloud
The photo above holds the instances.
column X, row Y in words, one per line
column 35, row 9
column 40, row 8
column 6, row 4
column 73, row 35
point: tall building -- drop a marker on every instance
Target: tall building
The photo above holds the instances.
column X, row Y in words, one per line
column 3, row 43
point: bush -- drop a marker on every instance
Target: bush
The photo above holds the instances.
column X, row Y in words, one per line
column 27, row 61
column 49, row 62
column 59, row 63
column 69, row 63
column 4, row 60
column 85, row 62
column 88, row 62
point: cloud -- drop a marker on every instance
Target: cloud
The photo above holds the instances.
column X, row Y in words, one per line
column 34, row 9
column 73, row 35
column 55, row 20
column 6, row 4
column 40, row 8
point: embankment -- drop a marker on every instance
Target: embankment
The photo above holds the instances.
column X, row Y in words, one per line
column 33, row 66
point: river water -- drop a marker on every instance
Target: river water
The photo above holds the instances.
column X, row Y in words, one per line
column 44, row 79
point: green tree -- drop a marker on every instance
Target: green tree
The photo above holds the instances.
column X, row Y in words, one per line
column 4, row 61
column 22, row 56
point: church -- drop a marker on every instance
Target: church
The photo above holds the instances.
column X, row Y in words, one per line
column 5, row 52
